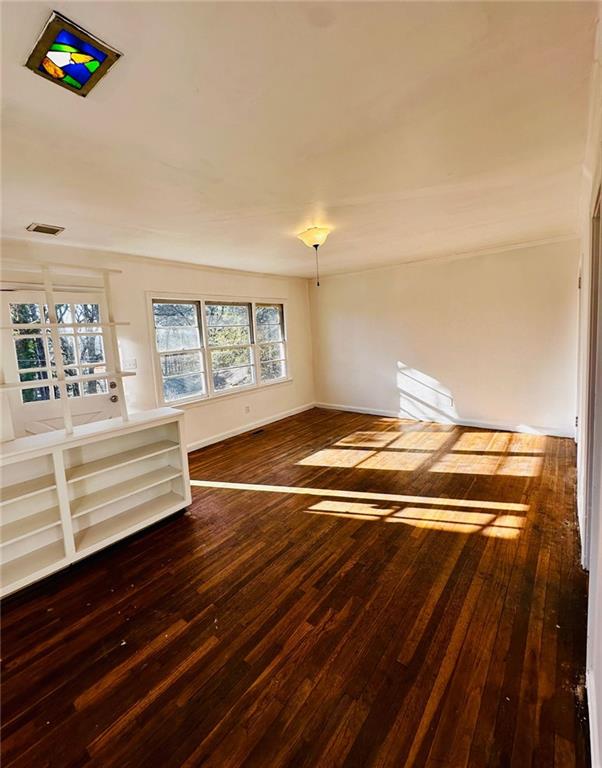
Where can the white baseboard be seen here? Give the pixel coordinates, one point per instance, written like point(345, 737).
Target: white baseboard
point(247, 427)
point(594, 722)
point(552, 431)
point(370, 411)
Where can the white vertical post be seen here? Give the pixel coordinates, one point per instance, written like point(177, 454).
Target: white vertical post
point(58, 352)
point(62, 493)
point(184, 462)
point(114, 349)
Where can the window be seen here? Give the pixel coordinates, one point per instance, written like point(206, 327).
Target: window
point(206, 348)
point(229, 339)
point(81, 349)
point(270, 340)
point(179, 344)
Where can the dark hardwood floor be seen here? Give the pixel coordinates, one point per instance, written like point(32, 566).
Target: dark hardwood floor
point(345, 590)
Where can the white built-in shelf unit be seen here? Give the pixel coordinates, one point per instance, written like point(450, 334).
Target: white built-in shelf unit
point(66, 493)
point(64, 497)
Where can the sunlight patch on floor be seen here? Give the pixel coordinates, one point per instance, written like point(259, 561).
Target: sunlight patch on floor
point(475, 464)
point(504, 506)
point(468, 522)
point(367, 439)
point(500, 442)
point(336, 458)
point(425, 441)
point(473, 453)
point(395, 461)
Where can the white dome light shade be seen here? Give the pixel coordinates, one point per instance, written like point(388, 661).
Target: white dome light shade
point(314, 236)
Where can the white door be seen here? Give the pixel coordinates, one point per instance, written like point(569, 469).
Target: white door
point(28, 355)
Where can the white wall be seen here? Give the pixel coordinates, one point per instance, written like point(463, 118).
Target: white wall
point(587, 437)
point(220, 416)
point(490, 339)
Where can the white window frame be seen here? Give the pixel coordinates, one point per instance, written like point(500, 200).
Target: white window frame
point(211, 393)
point(258, 344)
point(200, 349)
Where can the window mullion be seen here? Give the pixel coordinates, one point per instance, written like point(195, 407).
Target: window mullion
point(255, 345)
point(208, 362)
point(203, 342)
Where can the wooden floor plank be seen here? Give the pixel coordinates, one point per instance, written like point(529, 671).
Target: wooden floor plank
point(345, 590)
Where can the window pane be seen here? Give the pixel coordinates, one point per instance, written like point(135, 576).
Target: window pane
point(229, 336)
point(171, 339)
point(181, 387)
point(87, 313)
point(35, 394)
point(273, 370)
point(91, 349)
point(177, 328)
point(73, 390)
point(230, 358)
point(88, 370)
point(169, 315)
point(227, 314)
point(232, 377)
point(271, 313)
point(94, 387)
point(271, 352)
point(64, 313)
point(67, 349)
point(269, 333)
point(189, 362)
point(26, 313)
point(33, 376)
point(30, 353)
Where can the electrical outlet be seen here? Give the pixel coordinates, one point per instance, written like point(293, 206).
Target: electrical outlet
point(247, 409)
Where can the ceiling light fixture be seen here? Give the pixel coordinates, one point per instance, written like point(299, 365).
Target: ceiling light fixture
point(314, 237)
point(69, 56)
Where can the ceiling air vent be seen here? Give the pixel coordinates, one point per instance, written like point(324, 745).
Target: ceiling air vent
point(45, 229)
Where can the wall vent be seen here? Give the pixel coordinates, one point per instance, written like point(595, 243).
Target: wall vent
point(45, 229)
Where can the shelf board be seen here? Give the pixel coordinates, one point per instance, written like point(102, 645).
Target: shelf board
point(91, 468)
point(26, 526)
point(27, 488)
point(36, 326)
point(67, 379)
point(88, 503)
point(26, 566)
point(29, 447)
point(129, 521)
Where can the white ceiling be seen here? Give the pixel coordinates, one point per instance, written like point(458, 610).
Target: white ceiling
point(413, 129)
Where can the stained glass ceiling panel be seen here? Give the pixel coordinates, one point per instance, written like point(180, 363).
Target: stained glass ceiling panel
point(70, 56)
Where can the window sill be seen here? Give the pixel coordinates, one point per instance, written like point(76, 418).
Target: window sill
point(185, 404)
